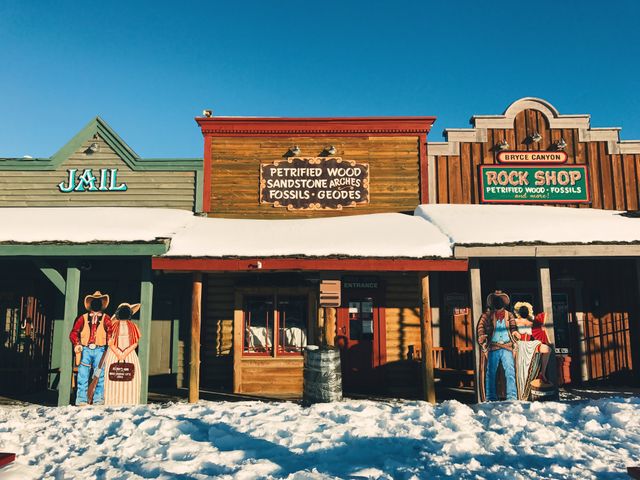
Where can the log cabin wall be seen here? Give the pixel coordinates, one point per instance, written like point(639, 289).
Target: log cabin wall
point(399, 370)
point(613, 165)
point(394, 149)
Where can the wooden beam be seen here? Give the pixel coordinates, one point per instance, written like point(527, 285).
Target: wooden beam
point(475, 288)
point(52, 274)
point(586, 250)
point(84, 249)
point(426, 336)
point(316, 264)
point(546, 300)
point(194, 355)
point(71, 294)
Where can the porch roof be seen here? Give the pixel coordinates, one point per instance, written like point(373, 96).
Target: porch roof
point(88, 230)
point(524, 230)
point(382, 235)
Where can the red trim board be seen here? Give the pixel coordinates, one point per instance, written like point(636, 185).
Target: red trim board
point(333, 264)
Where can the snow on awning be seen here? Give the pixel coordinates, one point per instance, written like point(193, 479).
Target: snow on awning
point(526, 224)
point(383, 235)
point(31, 225)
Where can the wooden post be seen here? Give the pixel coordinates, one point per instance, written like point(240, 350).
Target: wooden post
point(426, 336)
point(544, 286)
point(330, 325)
point(71, 294)
point(59, 337)
point(322, 334)
point(635, 351)
point(475, 287)
point(175, 347)
point(146, 308)
point(194, 354)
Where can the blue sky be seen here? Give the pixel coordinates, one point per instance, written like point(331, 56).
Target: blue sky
point(149, 67)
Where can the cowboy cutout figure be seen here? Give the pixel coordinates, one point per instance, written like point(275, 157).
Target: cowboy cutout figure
point(498, 335)
point(89, 338)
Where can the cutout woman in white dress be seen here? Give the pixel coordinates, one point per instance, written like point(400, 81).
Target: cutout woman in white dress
point(123, 340)
point(532, 355)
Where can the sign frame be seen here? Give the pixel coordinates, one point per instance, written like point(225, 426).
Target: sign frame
point(583, 167)
point(317, 205)
point(562, 153)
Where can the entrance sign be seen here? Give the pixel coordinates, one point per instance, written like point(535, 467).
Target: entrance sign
point(532, 157)
point(534, 184)
point(106, 181)
point(314, 183)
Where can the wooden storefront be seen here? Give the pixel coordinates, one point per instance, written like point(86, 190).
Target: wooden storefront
point(590, 293)
point(377, 327)
point(44, 282)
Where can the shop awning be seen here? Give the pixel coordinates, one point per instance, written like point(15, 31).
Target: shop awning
point(385, 241)
point(87, 231)
point(523, 230)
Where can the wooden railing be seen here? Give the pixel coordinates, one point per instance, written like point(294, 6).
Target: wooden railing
point(453, 360)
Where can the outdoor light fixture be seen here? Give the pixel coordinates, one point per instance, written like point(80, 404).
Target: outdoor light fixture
point(535, 137)
point(503, 145)
point(328, 151)
point(561, 144)
point(207, 113)
point(295, 151)
point(93, 148)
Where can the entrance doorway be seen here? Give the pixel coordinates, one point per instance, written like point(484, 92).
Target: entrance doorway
point(361, 337)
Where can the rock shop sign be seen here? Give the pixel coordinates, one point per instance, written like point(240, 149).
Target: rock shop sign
point(314, 183)
point(534, 184)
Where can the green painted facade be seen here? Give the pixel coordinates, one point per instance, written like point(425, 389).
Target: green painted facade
point(65, 268)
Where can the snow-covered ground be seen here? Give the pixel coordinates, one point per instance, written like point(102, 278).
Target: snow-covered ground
point(352, 439)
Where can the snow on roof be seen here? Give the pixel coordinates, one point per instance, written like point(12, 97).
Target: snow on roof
point(89, 224)
point(513, 224)
point(372, 235)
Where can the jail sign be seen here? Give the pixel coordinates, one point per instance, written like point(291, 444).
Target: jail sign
point(534, 184)
point(314, 183)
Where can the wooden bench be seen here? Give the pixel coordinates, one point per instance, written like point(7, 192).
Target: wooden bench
point(454, 363)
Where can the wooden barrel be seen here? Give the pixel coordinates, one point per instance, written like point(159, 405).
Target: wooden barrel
point(322, 375)
point(541, 391)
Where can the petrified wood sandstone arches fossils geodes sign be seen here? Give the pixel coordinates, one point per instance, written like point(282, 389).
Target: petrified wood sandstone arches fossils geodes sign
point(314, 183)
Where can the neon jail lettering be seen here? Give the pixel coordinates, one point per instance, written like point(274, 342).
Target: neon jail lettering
point(518, 178)
point(107, 181)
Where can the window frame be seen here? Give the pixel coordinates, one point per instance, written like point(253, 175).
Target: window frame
point(244, 294)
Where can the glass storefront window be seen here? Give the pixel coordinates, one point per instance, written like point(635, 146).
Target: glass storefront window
point(258, 325)
point(292, 324)
point(266, 314)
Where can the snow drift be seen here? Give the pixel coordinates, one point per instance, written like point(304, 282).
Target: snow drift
point(351, 439)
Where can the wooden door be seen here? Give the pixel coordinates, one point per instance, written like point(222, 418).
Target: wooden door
point(359, 338)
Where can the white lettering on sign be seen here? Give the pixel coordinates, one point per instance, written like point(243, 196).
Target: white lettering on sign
point(106, 181)
point(314, 183)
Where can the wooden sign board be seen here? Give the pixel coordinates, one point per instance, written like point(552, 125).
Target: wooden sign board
point(314, 183)
point(534, 184)
point(330, 293)
point(540, 157)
